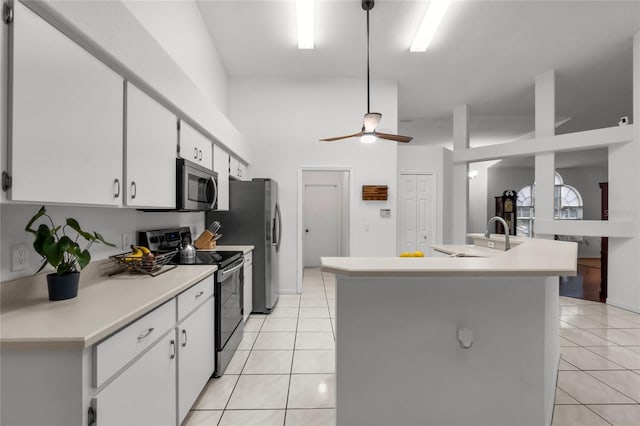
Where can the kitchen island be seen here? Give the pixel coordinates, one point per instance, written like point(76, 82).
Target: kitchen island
point(450, 340)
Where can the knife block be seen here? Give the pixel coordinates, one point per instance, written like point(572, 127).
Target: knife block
point(205, 240)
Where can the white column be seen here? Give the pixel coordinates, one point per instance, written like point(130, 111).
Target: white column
point(624, 191)
point(460, 176)
point(545, 100)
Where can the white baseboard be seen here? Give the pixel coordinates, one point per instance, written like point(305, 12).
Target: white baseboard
point(623, 305)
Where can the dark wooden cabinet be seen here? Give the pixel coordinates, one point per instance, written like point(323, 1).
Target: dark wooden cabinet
point(604, 241)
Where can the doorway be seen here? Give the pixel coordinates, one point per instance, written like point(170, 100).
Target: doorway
point(323, 216)
point(416, 228)
point(321, 222)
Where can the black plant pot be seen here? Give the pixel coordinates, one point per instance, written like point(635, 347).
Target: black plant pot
point(63, 287)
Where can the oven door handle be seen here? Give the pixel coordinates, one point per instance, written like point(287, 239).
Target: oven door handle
point(227, 272)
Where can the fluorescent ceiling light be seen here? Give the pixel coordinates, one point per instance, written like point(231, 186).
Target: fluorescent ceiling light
point(429, 25)
point(305, 21)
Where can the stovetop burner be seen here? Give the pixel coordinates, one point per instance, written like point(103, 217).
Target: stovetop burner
point(208, 257)
point(172, 239)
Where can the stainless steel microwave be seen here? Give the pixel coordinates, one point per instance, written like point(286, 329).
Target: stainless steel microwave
point(196, 187)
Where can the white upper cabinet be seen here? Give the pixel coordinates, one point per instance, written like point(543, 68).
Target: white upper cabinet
point(237, 169)
point(66, 112)
point(151, 142)
point(195, 147)
point(221, 166)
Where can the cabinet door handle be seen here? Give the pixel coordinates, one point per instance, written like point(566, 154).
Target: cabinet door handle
point(134, 190)
point(145, 334)
point(116, 183)
point(199, 294)
point(184, 338)
point(195, 153)
point(172, 346)
point(200, 156)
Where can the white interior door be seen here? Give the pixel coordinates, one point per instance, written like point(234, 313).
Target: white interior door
point(417, 200)
point(408, 219)
point(322, 223)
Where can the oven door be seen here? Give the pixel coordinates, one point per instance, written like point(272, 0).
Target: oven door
point(196, 187)
point(228, 325)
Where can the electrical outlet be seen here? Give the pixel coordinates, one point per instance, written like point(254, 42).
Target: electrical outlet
point(18, 257)
point(491, 244)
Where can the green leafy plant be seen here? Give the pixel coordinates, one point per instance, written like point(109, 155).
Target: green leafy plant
point(57, 248)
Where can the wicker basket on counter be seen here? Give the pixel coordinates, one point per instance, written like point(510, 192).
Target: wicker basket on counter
point(150, 265)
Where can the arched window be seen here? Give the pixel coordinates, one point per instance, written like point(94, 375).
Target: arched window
point(525, 210)
point(567, 205)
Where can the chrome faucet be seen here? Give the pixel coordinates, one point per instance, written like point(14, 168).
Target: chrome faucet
point(487, 233)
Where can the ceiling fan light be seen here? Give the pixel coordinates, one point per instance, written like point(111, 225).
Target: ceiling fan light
point(368, 138)
point(429, 26)
point(305, 23)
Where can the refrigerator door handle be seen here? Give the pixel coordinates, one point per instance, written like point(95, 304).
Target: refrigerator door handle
point(279, 227)
point(274, 239)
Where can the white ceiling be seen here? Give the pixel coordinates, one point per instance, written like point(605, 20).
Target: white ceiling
point(486, 54)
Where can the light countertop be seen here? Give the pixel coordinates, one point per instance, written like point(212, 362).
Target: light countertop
point(28, 320)
point(531, 257)
point(465, 250)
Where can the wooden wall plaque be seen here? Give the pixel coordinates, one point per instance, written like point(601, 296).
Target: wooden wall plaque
point(375, 192)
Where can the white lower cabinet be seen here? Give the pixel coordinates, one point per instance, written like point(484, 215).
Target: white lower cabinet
point(145, 393)
point(196, 355)
point(148, 373)
point(247, 302)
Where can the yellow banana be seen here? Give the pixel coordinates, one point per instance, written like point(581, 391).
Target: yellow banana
point(143, 249)
point(136, 254)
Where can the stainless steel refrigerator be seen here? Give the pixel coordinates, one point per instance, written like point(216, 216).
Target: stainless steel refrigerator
point(254, 219)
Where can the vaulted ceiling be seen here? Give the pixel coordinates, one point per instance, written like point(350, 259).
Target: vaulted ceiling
point(486, 54)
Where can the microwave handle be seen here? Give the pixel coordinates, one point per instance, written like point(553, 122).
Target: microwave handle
point(215, 193)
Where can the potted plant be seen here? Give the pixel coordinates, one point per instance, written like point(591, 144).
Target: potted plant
point(62, 252)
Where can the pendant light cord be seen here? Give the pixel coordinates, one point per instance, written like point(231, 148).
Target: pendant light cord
point(368, 84)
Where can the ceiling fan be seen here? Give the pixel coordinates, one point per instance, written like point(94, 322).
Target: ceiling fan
point(371, 120)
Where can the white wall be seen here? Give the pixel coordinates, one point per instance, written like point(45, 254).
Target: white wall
point(478, 198)
point(178, 27)
point(110, 222)
point(284, 119)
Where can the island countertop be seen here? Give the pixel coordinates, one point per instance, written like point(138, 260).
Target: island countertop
point(530, 257)
point(28, 320)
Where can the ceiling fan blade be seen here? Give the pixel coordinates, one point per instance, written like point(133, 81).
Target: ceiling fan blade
point(371, 120)
point(337, 138)
point(397, 138)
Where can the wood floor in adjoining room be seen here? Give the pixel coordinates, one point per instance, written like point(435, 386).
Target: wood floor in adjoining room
point(585, 285)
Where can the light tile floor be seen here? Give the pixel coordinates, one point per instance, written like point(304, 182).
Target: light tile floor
point(284, 370)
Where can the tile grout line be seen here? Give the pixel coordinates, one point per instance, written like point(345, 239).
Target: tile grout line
point(587, 372)
point(241, 370)
point(293, 354)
